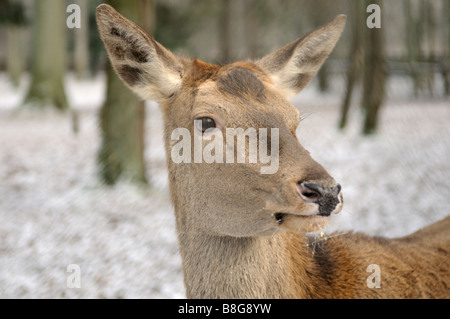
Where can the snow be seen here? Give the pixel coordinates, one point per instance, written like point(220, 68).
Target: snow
point(55, 213)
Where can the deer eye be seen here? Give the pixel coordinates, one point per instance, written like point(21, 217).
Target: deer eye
point(204, 123)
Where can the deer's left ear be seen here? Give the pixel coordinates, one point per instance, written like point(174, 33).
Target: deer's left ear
point(148, 68)
point(293, 66)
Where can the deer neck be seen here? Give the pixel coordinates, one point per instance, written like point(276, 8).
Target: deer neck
point(249, 267)
point(214, 266)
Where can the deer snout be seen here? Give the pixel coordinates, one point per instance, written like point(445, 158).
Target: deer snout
point(329, 199)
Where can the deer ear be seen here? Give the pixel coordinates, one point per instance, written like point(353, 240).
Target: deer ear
point(293, 66)
point(148, 68)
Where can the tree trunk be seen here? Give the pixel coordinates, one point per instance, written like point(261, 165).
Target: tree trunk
point(322, 76)
point(430, 37)
point(15, 57)
point(320, 12)
point(251, 27)
point(48, 55)
point(122, 117)
point(224, 32)
point(81, 42)
point(122, 124)
point(374, 77)
point(147, 15)
point(355, 59)
point(445, 64)
point(414, 37)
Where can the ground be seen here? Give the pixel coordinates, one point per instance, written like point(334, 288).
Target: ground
point(55, 213)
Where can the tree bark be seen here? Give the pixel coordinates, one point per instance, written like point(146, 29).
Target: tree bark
point(445, 64)
point(374, 77)
point(251, 27)
point(224, 32)
point(122, 124)
point(15, 57)
point(355, 60)
point(414, 38)
point(122, 117)
point(430, 37)
point(48, 56)
point(81, 42)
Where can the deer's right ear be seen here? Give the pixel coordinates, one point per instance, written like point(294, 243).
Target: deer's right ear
point(148, 68)
point(293, 66)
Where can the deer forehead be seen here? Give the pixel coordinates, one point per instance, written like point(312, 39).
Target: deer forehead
point(243, 93)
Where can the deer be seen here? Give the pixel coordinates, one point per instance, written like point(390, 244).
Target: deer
point(244, 234)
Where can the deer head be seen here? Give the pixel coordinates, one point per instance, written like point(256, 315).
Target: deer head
point(232, 198)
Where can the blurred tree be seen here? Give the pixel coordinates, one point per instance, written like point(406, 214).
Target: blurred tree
point(252, 10)
point(430, 35)
point(122, 117)
point(225, 20)
point(366, 61)
point(414, 38)
point(374, 74)
point(355, 59)
point(174, 24)
point(319, 13)
point(81, 42)
point(48, 55)
point(97, 56)
point(445, 61)
point(12, 14)
point(147, 15)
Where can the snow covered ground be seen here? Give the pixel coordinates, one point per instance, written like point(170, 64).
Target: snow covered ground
point(55, 213)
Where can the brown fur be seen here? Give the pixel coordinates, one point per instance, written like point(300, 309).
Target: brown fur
point(242, 233)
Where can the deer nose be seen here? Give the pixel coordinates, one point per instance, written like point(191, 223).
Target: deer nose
point(313, 192)
point(326, 197)
point(309, 192)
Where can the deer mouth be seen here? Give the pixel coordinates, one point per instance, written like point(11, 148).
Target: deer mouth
point(307, 216)
point(322, 213)
point(280, 218)
point(301, 223)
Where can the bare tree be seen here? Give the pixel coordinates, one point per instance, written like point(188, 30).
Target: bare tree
point(224, 31)
point(122, 117)
point(14, 18)
point(366, 61)
point(430, 35)
point(251, 27)
point(445, 62)
point(81, 42)
point(48, 55)
point(355, 59)
point(414, 38)
point(374, 76)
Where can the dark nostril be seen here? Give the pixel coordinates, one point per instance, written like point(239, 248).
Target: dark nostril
point(309, 191)
point(339, 188)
